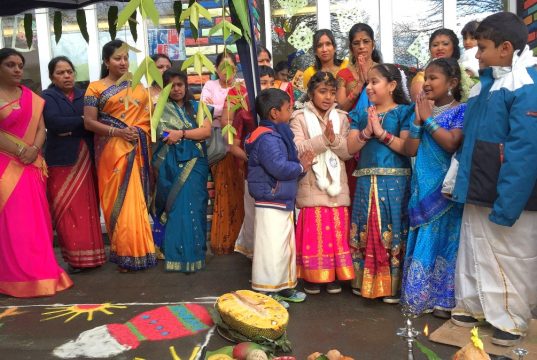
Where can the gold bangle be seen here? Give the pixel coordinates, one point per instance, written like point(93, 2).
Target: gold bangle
point(20, 149)
point(35, 147)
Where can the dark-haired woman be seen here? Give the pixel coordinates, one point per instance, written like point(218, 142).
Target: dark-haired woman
point(264, 57)
point(435, 222)
point(119, 117)
point(181, 169)
point(163, 63)
point(325, 51)
point(28, 266)
point(443, 43)
point(228, 211)
point(72, 182)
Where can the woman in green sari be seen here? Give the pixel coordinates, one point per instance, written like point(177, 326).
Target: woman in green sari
point(181, 171)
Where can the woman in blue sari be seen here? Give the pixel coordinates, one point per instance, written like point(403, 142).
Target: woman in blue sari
point(181, 171)
point(435, 221)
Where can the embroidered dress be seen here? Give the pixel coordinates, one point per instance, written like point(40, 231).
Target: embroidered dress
point(435, 222)
point(379, 222)
point(181, 193)
point(123, 173)
point(28, 266)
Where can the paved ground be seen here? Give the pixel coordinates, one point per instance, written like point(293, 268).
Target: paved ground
point(359, 328)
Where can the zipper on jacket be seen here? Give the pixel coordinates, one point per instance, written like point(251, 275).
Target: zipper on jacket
point(501, 146)
point(275, 188)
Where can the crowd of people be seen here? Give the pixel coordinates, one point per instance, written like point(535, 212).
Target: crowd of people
point(416, 191)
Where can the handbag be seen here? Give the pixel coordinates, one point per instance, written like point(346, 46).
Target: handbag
point(216, 146)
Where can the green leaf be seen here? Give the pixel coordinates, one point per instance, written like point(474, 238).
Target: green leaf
point(194, 17)
point(138, 74)
point(112, 21)
point(154, 73)
point(431, 355)
point(57, 26)
point(177, 10)
point(230, 131)
point(242, 13)
point(206, 111)
point(187, 63)
point(127, 11)
point(151, 11)
point(126, 77)
point(199, 115)
point(132, 26)
point(28, 30)
point(208, 64)
point(198, 63)
point(82, 25)
point(204, 12)
point(230, 28)
point(159, 109)
point(216, 28)
point(228, 68)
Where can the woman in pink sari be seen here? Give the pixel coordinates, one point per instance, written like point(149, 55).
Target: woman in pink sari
point(29, 267)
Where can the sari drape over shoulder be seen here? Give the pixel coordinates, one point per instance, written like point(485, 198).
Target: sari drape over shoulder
point(435, 223)
point(123, 173)
point(181, 194)
point(28, 266)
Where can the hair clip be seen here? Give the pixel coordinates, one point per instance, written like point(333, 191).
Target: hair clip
point(326, 78)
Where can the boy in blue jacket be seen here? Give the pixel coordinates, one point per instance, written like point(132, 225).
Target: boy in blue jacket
point(273, 171)
point(497, 258)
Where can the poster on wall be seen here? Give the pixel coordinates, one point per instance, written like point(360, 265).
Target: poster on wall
point(167, 41)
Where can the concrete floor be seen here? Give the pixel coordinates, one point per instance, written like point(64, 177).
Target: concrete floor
point(362, 329)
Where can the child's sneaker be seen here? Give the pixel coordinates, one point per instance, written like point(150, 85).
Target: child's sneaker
point(312, 288)
point(290, 295)
point(333, 288)
point(503, 338)
point(282, 302)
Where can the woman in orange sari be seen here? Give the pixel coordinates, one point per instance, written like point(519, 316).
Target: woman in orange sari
point(119, 117)
point(28, 266)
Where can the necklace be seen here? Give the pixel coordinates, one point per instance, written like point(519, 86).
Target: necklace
point(437, 110)
point(15, 104)
point(384, 114)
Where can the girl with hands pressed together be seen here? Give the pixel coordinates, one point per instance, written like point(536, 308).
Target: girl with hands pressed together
point(435, 221)
point(379, 225)
point(323, 194)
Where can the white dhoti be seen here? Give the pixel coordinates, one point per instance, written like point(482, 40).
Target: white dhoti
point(274, 263)
point(495, 270)
point(245, 240)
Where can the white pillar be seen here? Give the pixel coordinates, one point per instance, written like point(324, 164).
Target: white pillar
point(1, 34)
point(511, 6)
point(386, 30)
point(267, 25)
point(94, 48)
point(141, 42)
point(323, 14)
point(450, 14)
point(44, 48)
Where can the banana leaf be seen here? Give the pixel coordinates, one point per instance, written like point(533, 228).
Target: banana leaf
point(57, 26)
point(112, 21)
point(28, 29)
point(82, 25)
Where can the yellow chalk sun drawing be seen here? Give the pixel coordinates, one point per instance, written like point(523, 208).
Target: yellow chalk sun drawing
point(76, 310)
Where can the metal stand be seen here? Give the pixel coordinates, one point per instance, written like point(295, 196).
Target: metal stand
point(409, 334)
point(521, 353)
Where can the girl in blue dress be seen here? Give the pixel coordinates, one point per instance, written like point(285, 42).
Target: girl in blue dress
point(379, 223)
point(435, 221)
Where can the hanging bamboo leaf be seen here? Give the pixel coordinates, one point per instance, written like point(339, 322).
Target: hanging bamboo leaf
point(204, 12)
point(132, 26)
point(206, 111)
point(187, 63)
point(28, 30)
point(125, 77)
point(126, 13)
point(57, 26)
point(159, 109)
point(199, 115)
point(177, 10)
point(154, 73)
point(148, 7)
point(216, 28)
point(208, 64)
point(198, 63)
point(112, 21)
point(240, 8)
point(140, 71)
point(82, 25)
point(230, 131)
point(194, 17)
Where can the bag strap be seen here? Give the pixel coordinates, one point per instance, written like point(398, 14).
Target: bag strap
point(256, 134)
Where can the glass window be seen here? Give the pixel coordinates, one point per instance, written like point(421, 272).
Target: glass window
point(13, 32)
point(71, 44)
point(475, 10)
point(293, 24)
point(345, 13)
point(413, 18)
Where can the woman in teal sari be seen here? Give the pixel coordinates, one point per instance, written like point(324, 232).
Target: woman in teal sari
point(181, 171)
